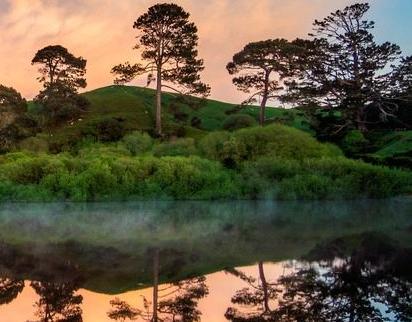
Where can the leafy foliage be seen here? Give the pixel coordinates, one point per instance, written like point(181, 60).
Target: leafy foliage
point(343, 68)
point(169, 46)
point(62, 74)
point(14, 122)
point(260, 67)
point(238, 121)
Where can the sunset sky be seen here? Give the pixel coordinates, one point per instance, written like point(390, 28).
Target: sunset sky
point(101, 31)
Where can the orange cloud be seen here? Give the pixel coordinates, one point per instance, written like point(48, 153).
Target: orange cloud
point(101, 31)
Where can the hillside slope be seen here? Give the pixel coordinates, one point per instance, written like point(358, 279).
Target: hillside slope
point(134, 108)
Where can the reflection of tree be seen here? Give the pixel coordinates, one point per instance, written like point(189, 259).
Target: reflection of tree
point(122, 311)
point(10, 289)
point(364, 286)
point(174, 302)
point(255, 299)
point(58, 302)
point(177, 302)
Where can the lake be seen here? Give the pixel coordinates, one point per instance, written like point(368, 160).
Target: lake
point(207, 261)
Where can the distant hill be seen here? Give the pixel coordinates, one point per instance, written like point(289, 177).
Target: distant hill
point(134, 106)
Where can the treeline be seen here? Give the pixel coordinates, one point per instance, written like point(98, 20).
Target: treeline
point(340, 76)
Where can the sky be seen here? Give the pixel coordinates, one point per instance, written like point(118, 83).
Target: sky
point(101, 31)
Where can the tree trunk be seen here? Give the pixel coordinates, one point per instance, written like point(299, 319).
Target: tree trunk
point(155, 283)
point(262, 111)
point(159, 102)
point(264, 99)
point(264, 287)
point(360, 124)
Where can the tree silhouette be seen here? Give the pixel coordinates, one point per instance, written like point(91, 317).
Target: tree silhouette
point(122, 311)
point(169, 46)
point(343, 69)
point(260, 68)
point(58, 302)
point(368, 285)
point(62, 74)
point(59, 66)
point(174, 302)
point(10, 289)
point(255, 299)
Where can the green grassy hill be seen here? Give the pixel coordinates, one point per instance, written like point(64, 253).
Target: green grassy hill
point(393, 148)
point(134, 108)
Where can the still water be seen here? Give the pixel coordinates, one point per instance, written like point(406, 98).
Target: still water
point(206, 261)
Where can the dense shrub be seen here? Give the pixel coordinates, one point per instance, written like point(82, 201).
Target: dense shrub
point(238, 121)
point(307, 186)
point(196, 122)
point(15, 124)
point(110, 129)
point(275, 140)
point(63, 177)
point(353, 142)
point(182, 147)
point(137, 142)
point(255, 163)
point(58, 103)
point(35, 144)
point(337, 178)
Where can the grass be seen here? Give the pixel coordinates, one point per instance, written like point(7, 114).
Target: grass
point(395, 144)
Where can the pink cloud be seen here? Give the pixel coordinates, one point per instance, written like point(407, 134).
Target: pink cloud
point(101, 31)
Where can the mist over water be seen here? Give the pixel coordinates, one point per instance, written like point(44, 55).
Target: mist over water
point(69, 256)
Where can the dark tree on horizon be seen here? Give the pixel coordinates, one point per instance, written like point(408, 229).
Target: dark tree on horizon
point(62, 75)
point(168, 43)
point(342, 68)
point(259, 69)
point(59, 66)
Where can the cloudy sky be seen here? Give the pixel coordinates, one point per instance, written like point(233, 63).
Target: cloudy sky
point(101, 31)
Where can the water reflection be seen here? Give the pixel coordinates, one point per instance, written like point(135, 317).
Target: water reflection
point(57, 302)
point(176, 301)
point(9, 289)
point(180, 262)
point(372, 283)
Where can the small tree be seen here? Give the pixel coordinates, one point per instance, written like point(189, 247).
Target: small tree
point(59, 66)
point(62, 74)
point(14, 123)
point(260, 68)
point(169, 46)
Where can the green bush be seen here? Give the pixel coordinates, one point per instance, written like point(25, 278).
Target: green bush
point(191, 178)
point(212, 144)
point(137, 142)
point(177, 147)
point(238, 121)
point(275, 140)
point(263, 167)
point(354, 142)
point(337, 178)
point(35, 144)
point(306, 186)
point(110, 130)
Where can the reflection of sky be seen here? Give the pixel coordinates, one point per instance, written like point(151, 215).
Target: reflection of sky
point(95, 306)
point(100, 30)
